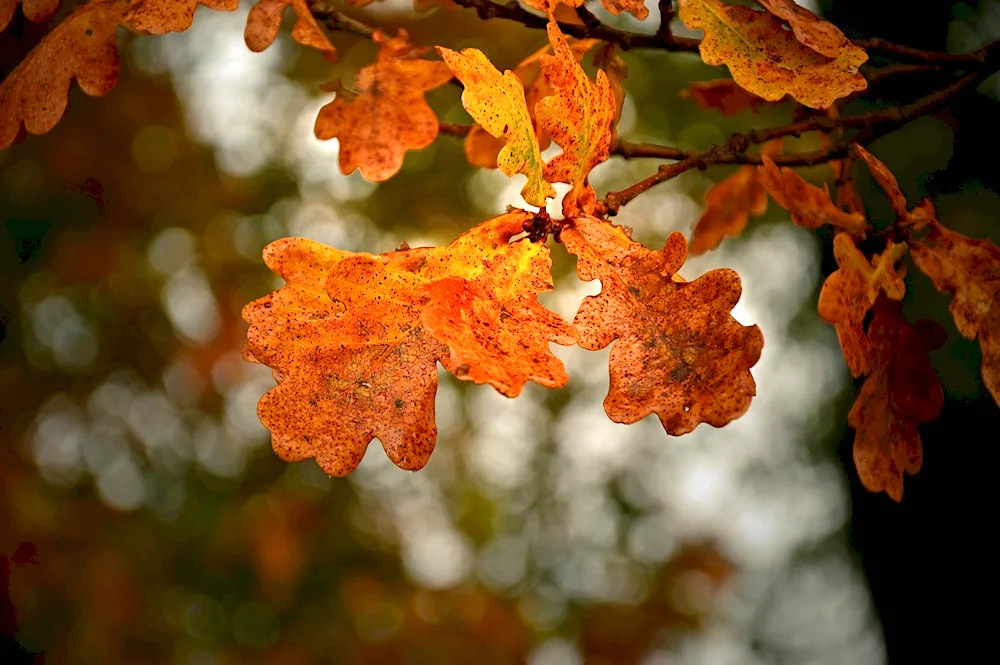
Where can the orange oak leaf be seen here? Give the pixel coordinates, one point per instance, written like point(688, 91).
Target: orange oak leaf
point(354, 339)
point(578, 117)
point(851, 290)
point(911, 220)
point(157, 17)
point(81, 47)
point(969, 270)
point(723, 95)
point(489, 314)
point(388, 115)
point(607, 59)
point(496, 101)
point(481, 147)
point(902, 392)
point(728, 206)
point(680, 354)
point(769, 61)
point(38, 11)
point(819, 35)
point(809, 206)
point(264, 21)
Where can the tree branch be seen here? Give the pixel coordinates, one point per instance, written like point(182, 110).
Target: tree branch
point(333, 21)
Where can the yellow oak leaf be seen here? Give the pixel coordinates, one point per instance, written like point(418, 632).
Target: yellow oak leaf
point(680, 354)
point(578, 116)
point(768, 60)
point(810, 206)
point(496, 101)
point(851, 290)
point(969, 270)
point(388, 114)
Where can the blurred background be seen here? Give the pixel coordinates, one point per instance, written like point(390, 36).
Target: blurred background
point(145, 519)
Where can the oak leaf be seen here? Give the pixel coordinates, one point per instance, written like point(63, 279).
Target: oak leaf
point(578, 117)
point(969, 270)
point(37, 11)
point(635, 7)
point(902, 392)
point(723, 95)
point(264, 22)
point(481, 147)
point(354, 339)
point(81, 47)
point(728, 206)
point(680, 354)
point(912, 220)
point(767, 60)
point(157, 17)
point(812, 31)
point(496, 101)
point(851, 290)
point(809, 206)
point(388, 114)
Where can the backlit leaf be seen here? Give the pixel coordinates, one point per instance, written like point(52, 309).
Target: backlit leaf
point(679, 352)
point(851, 290)
point(157, 17)
point(902, 392)
point(387, 115)
point(970, 271)
point(635, 7)
point(38, 11)
point(264, 21)
point(728, 206)
point(496, 101)
point(767, 60)
point(354, 339)
point(809, 206)
point(723, 95)
point(578, 116)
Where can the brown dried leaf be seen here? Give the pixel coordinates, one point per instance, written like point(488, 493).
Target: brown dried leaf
point(902, 391)
point(264, 22)
point(851, 290)
point(354, 339)
point(389, 114)
point(37, 11)
point(680, 354)
point(970, 271)
point(909, 220)
point(157, 17)
point(809, 206)
point(578, 116)
point(81, 47)
point(819, 35)
point(767, 60)
point(724, 95)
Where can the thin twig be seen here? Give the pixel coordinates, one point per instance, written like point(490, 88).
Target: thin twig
point(454, 129)
point(333, 21)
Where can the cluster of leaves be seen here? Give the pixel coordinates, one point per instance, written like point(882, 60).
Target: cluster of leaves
point(354, 338)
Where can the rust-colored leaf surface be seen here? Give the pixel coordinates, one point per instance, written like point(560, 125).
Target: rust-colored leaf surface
point(496, 101)
point(264, 21)
point(768, 60)
point(81, 47)
point(38, 11)
point(679, 352)
point(723, 95)
point(157, 17)
point(809, 206)
point(912, 220)
point(389, 114)
point(819, 35)
point(902, 392)
point(851, 290)
point(969, 270)
point(354, 339)
point(578, 116)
